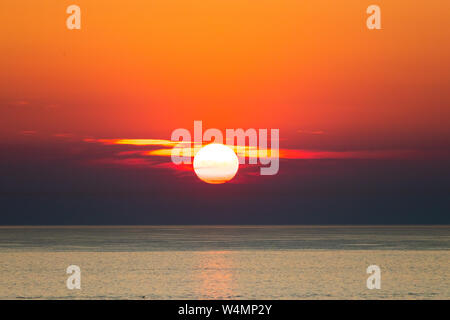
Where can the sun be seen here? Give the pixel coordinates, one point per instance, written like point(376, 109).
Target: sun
point(216, 163)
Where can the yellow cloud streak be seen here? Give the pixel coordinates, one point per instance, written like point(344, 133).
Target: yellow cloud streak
point(185, 148)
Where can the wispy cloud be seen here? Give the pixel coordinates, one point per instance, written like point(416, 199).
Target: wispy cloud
point(164, 148)
point(28, 132)
point(134, 142)
point(313, 132)
point(359, 154)
point(20, 103)
point(64, 135)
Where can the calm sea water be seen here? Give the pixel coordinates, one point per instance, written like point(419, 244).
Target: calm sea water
point(225, 262)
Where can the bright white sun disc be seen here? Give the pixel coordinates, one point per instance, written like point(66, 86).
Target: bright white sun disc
point(216, 163)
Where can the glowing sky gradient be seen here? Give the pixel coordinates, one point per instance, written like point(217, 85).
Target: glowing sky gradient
point(359, 111)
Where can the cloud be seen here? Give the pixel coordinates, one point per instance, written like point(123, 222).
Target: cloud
point(313, 132)
point(138, 151)
point(64, 135)
point(28, 132)
point(135, 142)
point(358, 154)
point(20, 103)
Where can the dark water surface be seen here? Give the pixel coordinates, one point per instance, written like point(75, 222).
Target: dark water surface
point(201, 238)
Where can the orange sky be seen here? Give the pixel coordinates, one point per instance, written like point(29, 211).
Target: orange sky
point(140, 69)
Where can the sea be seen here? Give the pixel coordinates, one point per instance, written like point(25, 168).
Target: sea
point(225, 262)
